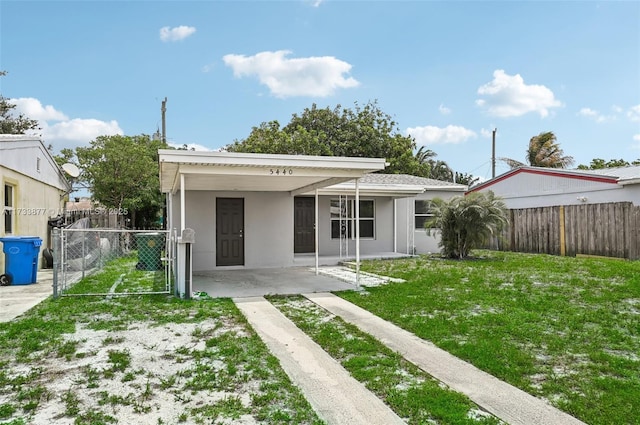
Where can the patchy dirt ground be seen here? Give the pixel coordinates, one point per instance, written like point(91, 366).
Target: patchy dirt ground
point(213, 371)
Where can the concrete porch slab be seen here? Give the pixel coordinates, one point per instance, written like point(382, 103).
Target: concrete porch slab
point(241, 283)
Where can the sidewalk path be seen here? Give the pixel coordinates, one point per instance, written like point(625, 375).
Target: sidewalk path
point(503, 400)
point(335, 396)
point(15, 300)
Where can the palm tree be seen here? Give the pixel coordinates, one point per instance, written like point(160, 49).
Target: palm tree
point(544, 151)
point(425, 156)
point(466, 222)
point(438, 170)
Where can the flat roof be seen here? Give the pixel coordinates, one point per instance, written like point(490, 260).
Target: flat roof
point(232, 171)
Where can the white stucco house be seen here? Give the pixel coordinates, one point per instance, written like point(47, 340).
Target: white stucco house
point(32, 188)
point(257, 210)
point(530, 187)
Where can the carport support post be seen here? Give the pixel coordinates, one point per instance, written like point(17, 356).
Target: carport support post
point(182, 204)
point(357, 234)
point(315, 229)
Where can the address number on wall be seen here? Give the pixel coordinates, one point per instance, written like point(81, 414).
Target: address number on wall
point(280, 171)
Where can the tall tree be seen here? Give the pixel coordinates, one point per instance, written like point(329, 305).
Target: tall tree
point(359, 132)
point(466, 222)
point(11, 124)
point(544, 151)
point(122, 172)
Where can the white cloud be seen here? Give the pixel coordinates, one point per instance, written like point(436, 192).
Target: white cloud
point(444, 110)
point(312, 76)
point(176, 33)
point(598, 117)
point(80, 130)
point(32, 108)
point(508, 96)
point(593, 114)
point(56, 127)
point(430, 135)
point(636, 137)
point(634, 113)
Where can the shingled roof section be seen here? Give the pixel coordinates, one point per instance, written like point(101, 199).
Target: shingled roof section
point(375, 178)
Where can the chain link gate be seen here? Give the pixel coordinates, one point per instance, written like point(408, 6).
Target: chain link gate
point(111, 262)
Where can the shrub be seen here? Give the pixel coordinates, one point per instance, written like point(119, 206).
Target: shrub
point(466, 222)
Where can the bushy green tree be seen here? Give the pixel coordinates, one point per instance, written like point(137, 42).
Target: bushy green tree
point(364, 131)
point(466, 222)
point(599, 163)
point(122, 172)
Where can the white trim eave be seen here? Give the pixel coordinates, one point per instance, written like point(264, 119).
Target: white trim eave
point(398, 190)
point(629, 181)
point(270, 160)
point(447, 188)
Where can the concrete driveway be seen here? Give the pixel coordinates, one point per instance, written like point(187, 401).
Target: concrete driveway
point(260, 282)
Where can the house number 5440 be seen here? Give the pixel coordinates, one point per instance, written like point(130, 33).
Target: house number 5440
point(280, 172)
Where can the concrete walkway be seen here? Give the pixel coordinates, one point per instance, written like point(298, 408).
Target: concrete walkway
point(503, 400)
point(336, 397)
point(15, 300)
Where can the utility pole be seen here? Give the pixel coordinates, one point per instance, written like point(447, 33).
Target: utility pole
point(164, 123)
point(493, 154)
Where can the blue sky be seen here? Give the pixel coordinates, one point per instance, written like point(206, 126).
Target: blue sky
point(447, 72)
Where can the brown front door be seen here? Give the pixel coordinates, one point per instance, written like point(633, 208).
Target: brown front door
point(230, 232)
point(304, 218)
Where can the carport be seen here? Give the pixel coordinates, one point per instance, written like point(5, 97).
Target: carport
point(239, 203)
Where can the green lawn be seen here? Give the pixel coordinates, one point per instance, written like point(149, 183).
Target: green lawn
point(565, 329)
point(414, 395)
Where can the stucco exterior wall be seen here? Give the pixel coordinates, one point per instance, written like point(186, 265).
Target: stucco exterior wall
point(268, 227)
point(35, 202)
point(269, 232)
point(29, 158)
point(525, 190)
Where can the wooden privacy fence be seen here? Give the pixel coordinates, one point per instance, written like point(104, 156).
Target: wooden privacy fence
point(609, 230)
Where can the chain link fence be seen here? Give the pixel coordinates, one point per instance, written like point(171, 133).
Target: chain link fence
point(89, 261)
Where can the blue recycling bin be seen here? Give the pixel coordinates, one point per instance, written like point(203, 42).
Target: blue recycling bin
point(21, 258)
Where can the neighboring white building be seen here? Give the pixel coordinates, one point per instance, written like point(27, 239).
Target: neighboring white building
point(32, 188)
point(530, 187)
point(257, 210)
